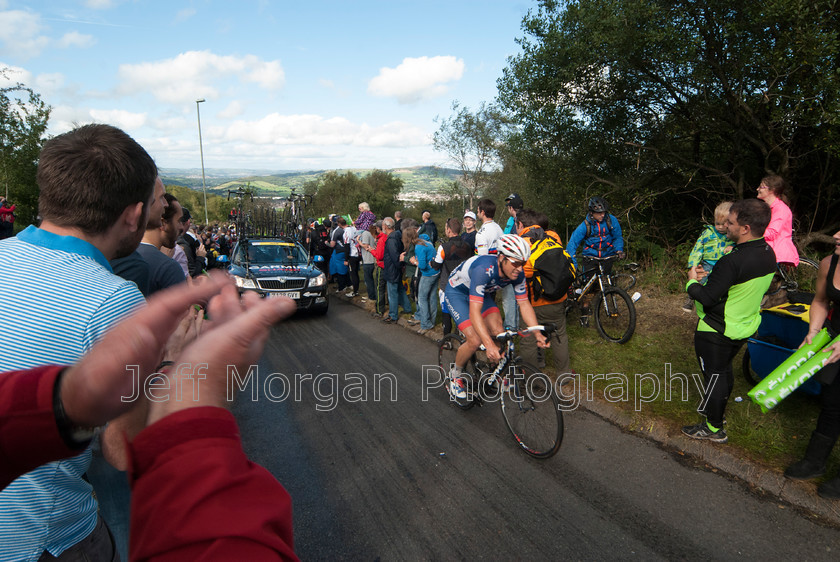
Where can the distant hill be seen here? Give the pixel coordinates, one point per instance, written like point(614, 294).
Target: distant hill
point(417, 180)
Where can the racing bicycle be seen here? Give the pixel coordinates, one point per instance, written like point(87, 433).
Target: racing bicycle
point(527, 397)
point(614, 309)
point(293, 220)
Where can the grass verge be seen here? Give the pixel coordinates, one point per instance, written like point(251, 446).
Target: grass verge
point(656, 378)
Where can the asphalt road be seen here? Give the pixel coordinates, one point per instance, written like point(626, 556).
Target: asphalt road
point(403, 478)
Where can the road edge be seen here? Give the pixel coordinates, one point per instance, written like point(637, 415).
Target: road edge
point(769, 481)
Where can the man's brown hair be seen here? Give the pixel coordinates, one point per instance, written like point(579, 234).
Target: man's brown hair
point(88, 176)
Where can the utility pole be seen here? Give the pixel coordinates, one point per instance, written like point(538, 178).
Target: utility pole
point(201, 148)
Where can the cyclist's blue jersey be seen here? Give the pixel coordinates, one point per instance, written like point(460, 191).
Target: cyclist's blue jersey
point(477, 280)
point(479, 277)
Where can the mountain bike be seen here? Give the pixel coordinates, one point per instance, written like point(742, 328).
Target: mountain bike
point(615, 311)
point(792, 283)
point(528, 399)
point(626, 279)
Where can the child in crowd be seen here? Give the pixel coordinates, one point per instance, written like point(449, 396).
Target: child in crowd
point(710, 246)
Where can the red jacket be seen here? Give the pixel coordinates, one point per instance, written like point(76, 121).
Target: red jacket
point(379, 251)
point(195, 493)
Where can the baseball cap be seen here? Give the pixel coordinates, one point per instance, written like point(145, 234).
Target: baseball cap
point(469, 214)
point(515, 201)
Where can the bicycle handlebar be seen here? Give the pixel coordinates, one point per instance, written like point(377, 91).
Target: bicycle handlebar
point(508, 334)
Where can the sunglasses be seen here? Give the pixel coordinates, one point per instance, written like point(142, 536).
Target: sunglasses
point(516, 264)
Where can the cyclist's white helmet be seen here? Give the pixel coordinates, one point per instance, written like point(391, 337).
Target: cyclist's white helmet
point(515, 247)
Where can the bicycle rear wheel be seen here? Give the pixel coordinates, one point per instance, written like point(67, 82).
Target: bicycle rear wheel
point(447, 350)
point(532, 412)
point(615, 315)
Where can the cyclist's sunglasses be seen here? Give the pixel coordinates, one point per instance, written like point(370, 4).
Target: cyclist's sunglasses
point(516, 264)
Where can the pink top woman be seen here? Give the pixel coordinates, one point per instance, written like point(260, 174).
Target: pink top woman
point(779, 233)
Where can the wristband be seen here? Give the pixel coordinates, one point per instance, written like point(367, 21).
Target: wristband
point(74, 436)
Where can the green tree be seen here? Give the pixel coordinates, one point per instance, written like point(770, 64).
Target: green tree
point(341, 193)
point(673, 106)
point(23, 125)
point(472, 141)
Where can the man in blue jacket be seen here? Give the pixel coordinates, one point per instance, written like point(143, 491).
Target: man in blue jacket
point(600, 234)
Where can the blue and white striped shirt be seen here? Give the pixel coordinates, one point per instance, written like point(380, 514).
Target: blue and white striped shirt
point(60, 298)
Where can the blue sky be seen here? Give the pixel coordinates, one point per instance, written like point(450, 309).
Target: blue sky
point(291, 85)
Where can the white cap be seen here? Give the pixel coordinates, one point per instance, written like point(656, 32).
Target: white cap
point(469, 214)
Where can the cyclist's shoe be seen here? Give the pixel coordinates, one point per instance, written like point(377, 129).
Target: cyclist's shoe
point(702, 431)
point(458, 388)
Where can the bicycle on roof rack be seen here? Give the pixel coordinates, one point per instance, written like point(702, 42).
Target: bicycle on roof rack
point(293, 220)
point(242, 219)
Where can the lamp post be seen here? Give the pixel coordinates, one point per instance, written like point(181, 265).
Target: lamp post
point(201, 149)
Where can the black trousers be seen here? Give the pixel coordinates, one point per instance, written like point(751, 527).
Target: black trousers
point(715, 353)
point(828, 423)
point(354, 263)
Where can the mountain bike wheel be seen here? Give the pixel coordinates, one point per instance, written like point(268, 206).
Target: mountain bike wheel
point(624, 281)
point(447, 349)
point(532, 412)
point(615, 315)
point(804, 277)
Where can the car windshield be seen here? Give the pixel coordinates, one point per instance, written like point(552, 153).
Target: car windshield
point(272, 251)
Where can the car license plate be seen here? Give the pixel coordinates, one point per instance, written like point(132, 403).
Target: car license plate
point(295, 295)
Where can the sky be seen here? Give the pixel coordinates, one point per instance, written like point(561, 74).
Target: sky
point(288, 85)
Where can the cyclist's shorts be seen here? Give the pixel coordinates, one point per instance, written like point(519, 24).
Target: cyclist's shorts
point(459, 307)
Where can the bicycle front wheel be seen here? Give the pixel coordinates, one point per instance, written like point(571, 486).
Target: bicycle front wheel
point(532, 412)
point(624, 281)
point(447, 350)
point(615, 315)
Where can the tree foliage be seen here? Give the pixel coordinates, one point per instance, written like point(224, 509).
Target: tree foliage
point(670, 107)
point(341, 193)
point(218, 207)
point(23, 125)
point(472, 141)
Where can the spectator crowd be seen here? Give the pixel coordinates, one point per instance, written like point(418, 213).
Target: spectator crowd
point(111, 239)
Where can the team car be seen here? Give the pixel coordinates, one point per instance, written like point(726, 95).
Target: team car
point(275, 267)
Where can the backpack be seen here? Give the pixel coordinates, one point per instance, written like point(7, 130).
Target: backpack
point(607, 219)
point(554, 270)
point(321, 238)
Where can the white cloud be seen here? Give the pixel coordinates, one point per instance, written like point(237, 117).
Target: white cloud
point(276, 129)
point(234, 109)
point(174, 124)
point(119, 118)
point(193, 75)
point(417, 79)
point(20, 34)
point(327, 83)
point(14, 75)
point(49, 83)
point(184, 15)
point(100, 4)
point(76, 39)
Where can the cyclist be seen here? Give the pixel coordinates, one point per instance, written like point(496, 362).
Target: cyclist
point(599, 232)
point(469, 297)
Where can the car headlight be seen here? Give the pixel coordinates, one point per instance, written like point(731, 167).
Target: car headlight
point(318, 281)
point(244, 282)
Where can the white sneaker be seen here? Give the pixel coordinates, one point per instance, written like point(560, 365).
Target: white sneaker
point(457, 388)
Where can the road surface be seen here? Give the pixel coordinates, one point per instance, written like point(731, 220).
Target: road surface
point(400, 477)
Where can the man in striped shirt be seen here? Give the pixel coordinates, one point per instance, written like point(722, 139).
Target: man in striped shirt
point(96, 192)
